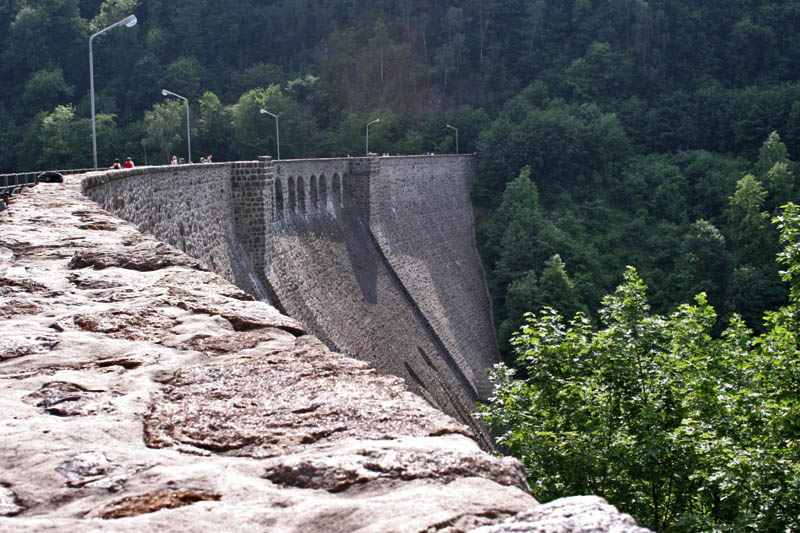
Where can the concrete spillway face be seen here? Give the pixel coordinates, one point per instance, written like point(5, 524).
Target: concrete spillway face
point(328, 269)
point(421, 218)
point(326, 272)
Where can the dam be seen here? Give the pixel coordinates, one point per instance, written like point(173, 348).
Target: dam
point(375, 255)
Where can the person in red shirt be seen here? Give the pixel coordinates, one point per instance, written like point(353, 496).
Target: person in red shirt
point(128, 163)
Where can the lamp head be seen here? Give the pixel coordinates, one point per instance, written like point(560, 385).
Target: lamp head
point(130, 21)
point(263, 111)
point(164, 92)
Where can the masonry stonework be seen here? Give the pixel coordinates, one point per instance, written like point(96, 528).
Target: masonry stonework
point(376, 255)
point(421, 217)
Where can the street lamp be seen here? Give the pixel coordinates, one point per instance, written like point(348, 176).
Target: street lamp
point(277, 130)
point(456, 130)
point(128, 21)
point(373, 122)
point(165, 92)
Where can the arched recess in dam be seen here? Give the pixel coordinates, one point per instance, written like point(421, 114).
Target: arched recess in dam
point(279, 201)
point(313, 194)
point(292, 188)
point(385, 271)
point(323, 192)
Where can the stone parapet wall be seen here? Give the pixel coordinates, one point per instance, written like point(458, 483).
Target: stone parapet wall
point(186, 206)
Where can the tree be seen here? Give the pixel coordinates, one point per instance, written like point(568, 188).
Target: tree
point(214, 126)
point(110, 12)
point(564, 145)
point(164, 124)
point(449, 56)
point(557, 290)
point(600, 73)
point(771, 152)
point(485, 11)
point(469, 121)
point(704, 264)
point(183, 77)
point(46, 87)
point(752, 290)
point(57, 137)
point(257, 75)
point(534, 14)
point(380, 41)
point(444, 61)
point(30, 46)
point(7, 136)
point(751, 46)
point(519, 208)
point(254, 133)
point(773, 169)
point(522, 296)
point(411, 143)
point(748, 224)
point(780, 185)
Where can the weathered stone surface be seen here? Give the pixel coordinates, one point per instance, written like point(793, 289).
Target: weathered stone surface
point(93, 469)
point(9, 503)
point(358, 462)
point(60, 398)
point(578, 514)
point(242, 315)
point(16, 346)
point(164, 400)
point(142, 258)
point(151, 502)
point(286, 401)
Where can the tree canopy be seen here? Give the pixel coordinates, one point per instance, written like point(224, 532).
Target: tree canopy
point(686, 429)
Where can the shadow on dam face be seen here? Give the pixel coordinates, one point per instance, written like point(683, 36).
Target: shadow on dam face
point(363, 257)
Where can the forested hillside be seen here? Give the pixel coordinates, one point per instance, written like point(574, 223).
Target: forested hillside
point(611, 132)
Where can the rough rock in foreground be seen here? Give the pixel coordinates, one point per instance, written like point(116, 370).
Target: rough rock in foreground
point(141, 392)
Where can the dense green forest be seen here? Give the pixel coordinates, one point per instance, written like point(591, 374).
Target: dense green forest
point(685, 429)
point(638, 122)
point(662, 134)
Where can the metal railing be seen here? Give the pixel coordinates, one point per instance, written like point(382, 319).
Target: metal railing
point(13, 184)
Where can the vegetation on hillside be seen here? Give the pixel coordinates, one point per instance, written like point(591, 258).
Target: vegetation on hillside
point(683, 428)
point(638, 120)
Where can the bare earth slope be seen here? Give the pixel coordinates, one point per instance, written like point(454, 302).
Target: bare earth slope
point(141, 392)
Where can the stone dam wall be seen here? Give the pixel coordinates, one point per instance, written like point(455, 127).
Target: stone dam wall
point(375, 255)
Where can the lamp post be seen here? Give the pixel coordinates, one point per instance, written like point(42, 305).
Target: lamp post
point(456, 130)
point(277, 130)
point(128, 21)
point(368, 124)
point(165, 92)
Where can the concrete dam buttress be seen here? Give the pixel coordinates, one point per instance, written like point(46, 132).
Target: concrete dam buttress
point(375, 255)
